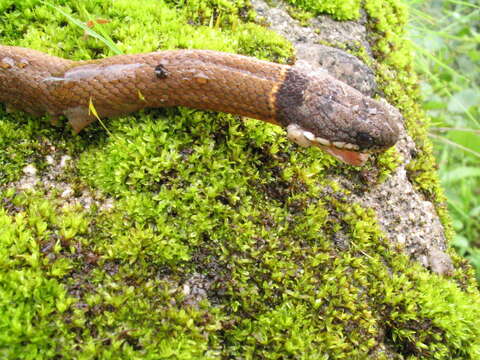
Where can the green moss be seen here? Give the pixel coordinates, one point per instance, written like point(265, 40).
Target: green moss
point(17, 150)
point(14, 152)
point(220, 240)
point(33, 302)
point(339, 9)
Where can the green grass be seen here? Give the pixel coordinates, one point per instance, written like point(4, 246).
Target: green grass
point(447, 38)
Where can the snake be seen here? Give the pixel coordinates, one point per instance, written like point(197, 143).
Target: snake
point(315, 108)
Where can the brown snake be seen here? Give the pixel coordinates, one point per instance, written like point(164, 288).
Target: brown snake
point(315, 108)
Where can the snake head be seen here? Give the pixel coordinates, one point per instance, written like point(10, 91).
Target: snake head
point(322, 111)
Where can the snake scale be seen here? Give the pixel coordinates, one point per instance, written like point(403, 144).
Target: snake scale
point(314, 107)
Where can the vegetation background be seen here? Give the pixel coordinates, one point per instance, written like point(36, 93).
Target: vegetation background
point(446, 36)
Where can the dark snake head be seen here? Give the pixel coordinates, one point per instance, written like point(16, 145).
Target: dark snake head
point(320, 110)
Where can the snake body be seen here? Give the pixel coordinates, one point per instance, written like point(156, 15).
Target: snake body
point(315, 108)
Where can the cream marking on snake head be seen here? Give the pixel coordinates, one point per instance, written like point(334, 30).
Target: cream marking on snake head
point(305, 138)
point(345, 152)
point(322, 141)
point(296, 134)
point(309, 136)
point(351, 147)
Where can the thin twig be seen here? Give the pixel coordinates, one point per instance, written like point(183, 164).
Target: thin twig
point(452, 143)
point(443, 129)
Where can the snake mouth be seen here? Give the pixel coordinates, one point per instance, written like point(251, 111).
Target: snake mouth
point(345, 152)
point(350, 157)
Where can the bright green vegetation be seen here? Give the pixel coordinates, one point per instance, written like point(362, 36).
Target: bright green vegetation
point(340, 10)
point(220, 241)
point(448, 57)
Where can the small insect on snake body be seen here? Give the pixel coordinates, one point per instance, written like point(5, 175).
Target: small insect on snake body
point(314, 107)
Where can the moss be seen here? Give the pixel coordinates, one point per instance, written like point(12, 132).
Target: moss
point(338, 9)
point(15, 151)
point(33, 301)
point(223, 239)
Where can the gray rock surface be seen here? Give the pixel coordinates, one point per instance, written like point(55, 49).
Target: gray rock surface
point(307, 42)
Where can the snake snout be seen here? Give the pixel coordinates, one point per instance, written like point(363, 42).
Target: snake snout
point(364, 140)
point(376, 125)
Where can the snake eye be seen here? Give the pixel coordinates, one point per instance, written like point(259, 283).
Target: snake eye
point(364, 140)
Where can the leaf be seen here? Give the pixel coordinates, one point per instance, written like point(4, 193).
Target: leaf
point(434, 105)
point(460, 173)
point(93, 111)
point(86, 29)
point(463, 100)
point(467, 139)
